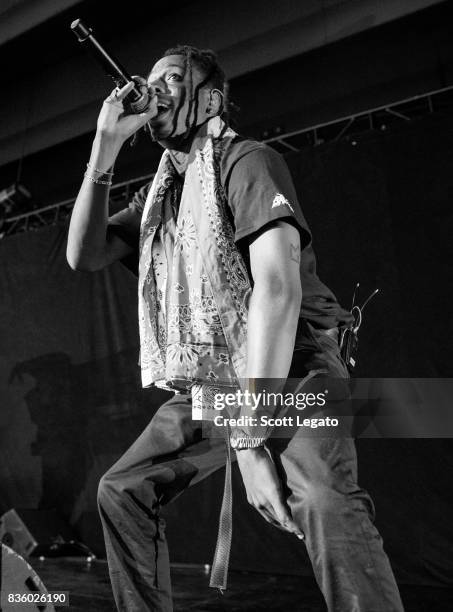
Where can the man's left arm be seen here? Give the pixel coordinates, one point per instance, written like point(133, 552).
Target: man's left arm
point(271, 330)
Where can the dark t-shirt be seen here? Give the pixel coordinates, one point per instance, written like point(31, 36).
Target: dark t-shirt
point(259, 189)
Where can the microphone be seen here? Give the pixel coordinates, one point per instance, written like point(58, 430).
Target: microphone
point(138, 99)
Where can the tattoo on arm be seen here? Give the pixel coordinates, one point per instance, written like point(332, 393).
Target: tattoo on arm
point(294, 252)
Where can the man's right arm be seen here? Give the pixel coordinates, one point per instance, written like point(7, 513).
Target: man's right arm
point(90, 246)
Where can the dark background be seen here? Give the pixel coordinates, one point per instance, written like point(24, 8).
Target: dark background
point(379, 205)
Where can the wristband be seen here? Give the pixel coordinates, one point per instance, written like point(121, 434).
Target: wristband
point(96, 180)
point(93, 169)
point(241, 441)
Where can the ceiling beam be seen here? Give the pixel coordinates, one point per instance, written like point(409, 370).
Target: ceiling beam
point(19, 16)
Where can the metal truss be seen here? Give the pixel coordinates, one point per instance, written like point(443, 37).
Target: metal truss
point(350, 127)
point(55, 213)
point(344, 128)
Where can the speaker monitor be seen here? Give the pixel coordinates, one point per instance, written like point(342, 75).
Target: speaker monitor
point(19, 578)
point(27, 531)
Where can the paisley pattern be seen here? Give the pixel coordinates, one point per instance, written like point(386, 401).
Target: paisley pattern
point(230, 257)
point(205, 315)
point(185, 234)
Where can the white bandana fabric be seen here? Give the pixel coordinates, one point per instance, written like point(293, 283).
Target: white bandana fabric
point(207, 291)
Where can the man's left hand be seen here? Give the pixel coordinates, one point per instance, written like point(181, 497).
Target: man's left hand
point(264, 488)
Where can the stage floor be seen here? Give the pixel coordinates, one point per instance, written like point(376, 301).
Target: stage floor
point(89, 590)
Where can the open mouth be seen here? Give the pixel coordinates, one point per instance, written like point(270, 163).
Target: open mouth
point(162, 109)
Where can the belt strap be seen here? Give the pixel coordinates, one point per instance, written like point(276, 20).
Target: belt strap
point(219, 571)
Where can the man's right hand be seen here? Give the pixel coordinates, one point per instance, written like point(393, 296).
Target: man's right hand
point(113, 125)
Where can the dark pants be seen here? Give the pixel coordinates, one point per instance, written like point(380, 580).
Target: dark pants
point(350, 566)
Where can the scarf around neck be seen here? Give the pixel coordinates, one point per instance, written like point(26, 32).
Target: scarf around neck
point(208, 288)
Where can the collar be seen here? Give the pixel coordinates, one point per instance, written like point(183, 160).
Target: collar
point(179, 160)
point(214, 127)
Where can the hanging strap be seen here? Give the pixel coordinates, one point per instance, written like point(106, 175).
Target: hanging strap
point(219, 571)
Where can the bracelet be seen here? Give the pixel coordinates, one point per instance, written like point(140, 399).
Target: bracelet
point(90, 167)
point(241, 441)
point(96, 180)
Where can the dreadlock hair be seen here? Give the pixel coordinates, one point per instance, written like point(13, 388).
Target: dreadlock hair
point(206, 61)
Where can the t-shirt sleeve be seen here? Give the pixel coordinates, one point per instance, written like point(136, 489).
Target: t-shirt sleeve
point(260, 190)
point(126, 223)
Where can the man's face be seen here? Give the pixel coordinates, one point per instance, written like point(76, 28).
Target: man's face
point(172, 86)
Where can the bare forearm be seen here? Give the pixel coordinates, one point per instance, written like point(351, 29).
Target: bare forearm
point(88, 227)
point(271, 332)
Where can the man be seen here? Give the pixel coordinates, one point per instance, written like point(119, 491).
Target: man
point(228, 292)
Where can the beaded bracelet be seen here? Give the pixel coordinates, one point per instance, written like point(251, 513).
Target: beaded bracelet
point(96, 180)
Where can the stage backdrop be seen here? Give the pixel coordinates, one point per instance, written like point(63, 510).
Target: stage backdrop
point(71, 402)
